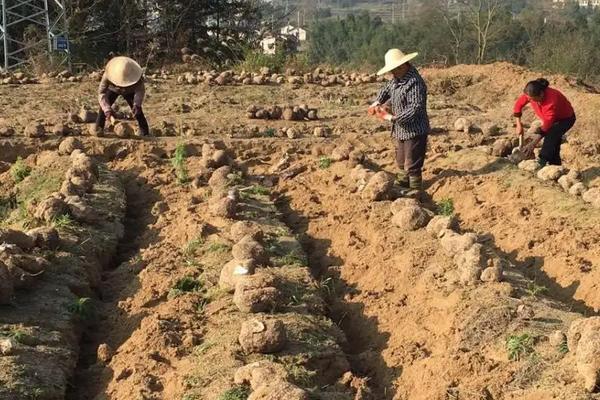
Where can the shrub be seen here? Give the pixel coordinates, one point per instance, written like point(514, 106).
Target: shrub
point(20, 170)
point(518, 346)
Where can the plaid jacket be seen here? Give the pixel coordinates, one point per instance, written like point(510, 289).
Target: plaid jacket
point(408, 100)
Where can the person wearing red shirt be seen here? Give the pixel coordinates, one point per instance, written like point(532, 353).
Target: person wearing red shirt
point(557, 116)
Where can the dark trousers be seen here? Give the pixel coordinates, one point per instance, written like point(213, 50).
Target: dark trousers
point(140, 117)
point(550, 152)
point(410, 155)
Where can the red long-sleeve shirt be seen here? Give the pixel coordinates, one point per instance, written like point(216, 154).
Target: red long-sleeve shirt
point(554, 107)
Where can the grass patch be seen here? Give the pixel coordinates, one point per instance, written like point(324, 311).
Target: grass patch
point(235, 178)
point(293, 259)
point(534, 290)
point(214, 293)
point(236, 393)
point(63, 222)
point(19, 170)
point(192, 247)
point(7, 206)
point(446, 207)
point(325, 162)
point(179, 161)
point(269, 132)
point(186, 284)
point(201, 305)
point(282, 256)
point(327, 287)
point(258, 190)
point(518, 346)
point(82, 308)
point(248, 214)
point(298, 374)
point(31, 191)
point(18, 335)
point(203, 348)
point(563, 348)
point(191, 262)
point(217, 247)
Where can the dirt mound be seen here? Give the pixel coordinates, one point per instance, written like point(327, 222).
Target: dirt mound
point(40, 355)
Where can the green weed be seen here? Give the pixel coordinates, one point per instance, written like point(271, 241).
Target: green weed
point(185, 285)
point(246, 214)
point(235, 178)
point(518, 346)
point(202, 305)
point(534, 290)
point(325, 162)
point(292, 258)
point(563, 348)
point(446, 207)
point(217, 247)
point(191, 262)
point(258, 190)
point(327, 287)
point(63, 222)
point(19, 170)
point(269, 132)
point(236, 393)
point(203, 348)
point(83, 308)
point(192, 246)
point(17, 335)
point(7, 205)
point(179, 163)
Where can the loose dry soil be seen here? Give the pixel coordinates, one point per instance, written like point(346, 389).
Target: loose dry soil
point(370, 310)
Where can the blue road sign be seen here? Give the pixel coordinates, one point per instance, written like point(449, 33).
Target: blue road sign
point(61, 43)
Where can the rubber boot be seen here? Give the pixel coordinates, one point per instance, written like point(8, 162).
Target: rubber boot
point(415, 186)
point(541, 163)
point(402, 180)
point(415, 182)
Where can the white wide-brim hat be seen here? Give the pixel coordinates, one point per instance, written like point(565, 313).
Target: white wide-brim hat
point(395, 58)
point(123, 71)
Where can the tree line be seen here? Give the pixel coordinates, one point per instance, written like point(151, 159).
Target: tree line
point(469, 32)
point(225, 32)
point(216, 30)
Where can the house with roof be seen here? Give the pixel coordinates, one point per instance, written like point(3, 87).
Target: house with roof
point(290, 30)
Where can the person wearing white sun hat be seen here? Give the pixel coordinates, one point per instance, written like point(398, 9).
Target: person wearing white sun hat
point(122, 77)
point(403, 102)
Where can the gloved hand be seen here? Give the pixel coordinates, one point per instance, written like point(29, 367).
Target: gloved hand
point(373, 109)
point(384, 115)
point(110, 119)
point(528, 149)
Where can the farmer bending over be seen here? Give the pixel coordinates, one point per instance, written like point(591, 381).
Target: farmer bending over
point(122, 77)
point(557, 116)
point(403, 102)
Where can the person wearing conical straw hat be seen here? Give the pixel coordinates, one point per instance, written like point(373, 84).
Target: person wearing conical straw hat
point(403, 102)
point(122, 77)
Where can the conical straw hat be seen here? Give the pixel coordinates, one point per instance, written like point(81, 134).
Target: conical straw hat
point(123, 71)
point(395, 58)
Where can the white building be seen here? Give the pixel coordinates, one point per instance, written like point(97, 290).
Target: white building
point(292, 31)
point(582, 3)
point(268, 45)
